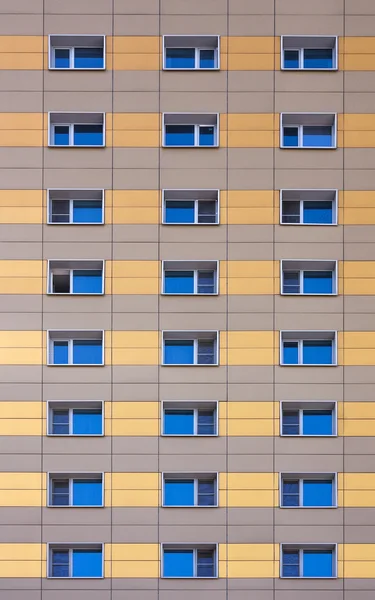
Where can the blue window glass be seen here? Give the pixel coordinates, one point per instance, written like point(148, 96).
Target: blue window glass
point(178, 422)
point(205, 563)
point(178, 352)
point(180, 58)
point(290, 136)
point(87, 211)
point(317, 422)
point(178, 563)
point(87, 492)
point(207, 59)
point(88, 135)
point(290, 493)
point(314, 136)
point(206, 352)
point(206, 422)
point(60, 563)
point(318, 58)
point(290, 566)
point(317, 212)
point(60, 492)
point(206, 492)
point(317, 563)
point(317, 493)
point(317, 352)
point(62, 58)
point(318, 282)
point(87, 563)
point(87, 352)
point(87, 282)
point(88, 58)
point(60, 353)
point(179, 212)
point(290, 422)
point(179, 135)
point(206, 136)
point(291, 282)
point(206, 282)
point(87, 421)
point(179, 493)
point(291, 59)
point(290, 353)
point(61, 135)
point(179, 282)
point(60, 422)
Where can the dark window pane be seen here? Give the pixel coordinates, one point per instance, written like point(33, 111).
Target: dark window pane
point(87, 211)
point(207, 211)
point(290, 422)
point(179, 282)
point(290, 493)
point(178, 422)
point(206, 493)
point(317, 422)
point(60, 211)
point(317, 352)
point(179, 135)
point(206, 282)
point(291, 282)
point(290, 566)
point(61, 135)
point(180, 58)
point(206, 352)
point(178, 352)
point(290, 211)
point(290, 136)
point(62, 58)
point(88, 58)
point(291, 59)
point(314, 136)
point(206, 422)
point(60, 422)
point(205, 563)
point(88, 135)
point(61, 283)
point(60, 563)
point(290, 353)
point(60, 492)
point(207, 59)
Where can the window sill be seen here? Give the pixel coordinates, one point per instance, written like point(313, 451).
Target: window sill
point(188, 365)
point(74, 435)
point(191, 69)
point(200, 224)
point(204, 147)
point(311, 294)
point(307, 507)
point(312, 69)
point(310, 224)
point(310, 578)
point(77, 69)
point(187, 294)
point(76, 146)
point(75, 223)
point(74, 578)
point(73, 294)
point(74, 506)
point(308, 147)
point(309, 365)
point(76, 365)
point(190, 435)
point(310, 435)
point(182, 577)
point(188, 506)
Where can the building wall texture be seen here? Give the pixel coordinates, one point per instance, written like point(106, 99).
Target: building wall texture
point(249, 93)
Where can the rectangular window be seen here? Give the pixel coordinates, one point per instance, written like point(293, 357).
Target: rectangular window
point(184, 562)
point(314, 419)
point(77, 130)
point(190, 130)
point(317, 53)
point(190, 491)
point(76, 562)
point(309, 350)
point(195, 351)
point(75, 418)
point(308, 207)
point(75, 277)
point(85, 349)
point(77, 52)
point(185, 52)
point(311, 561)
point(317, 491)
point(188, 419)
point(308, 277)
point(75, 207)
point(308, 130)
point(81, 490)
point(191, 207)
point(190, 277)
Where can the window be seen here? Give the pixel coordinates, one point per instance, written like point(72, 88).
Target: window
point(187, 561)
point(190, 277)
point(312, 561)
point(308, 207)
point(76, 277)
point(189, 418)
point(189, 490)
point(191, 207)
point(75, 207)
point(78, 490)
point(75, 418)
point(81, 561)
point(77, 52)
point(308, 130)
point(75, 348)
point(310, 490)
point(304, 277)
point(318, 53)
point(76, 129)
point(190, 348)
point(191, 52)
point(308, 348)
point(190, 129)
point(308, 418)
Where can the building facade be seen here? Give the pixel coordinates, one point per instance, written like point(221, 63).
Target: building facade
point(187, 325)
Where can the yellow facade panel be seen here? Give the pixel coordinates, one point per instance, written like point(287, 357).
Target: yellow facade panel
point(18, 138)
point(357, 427)
point(18, 215)
point(24, 410)
point(20, 356)
point(22, 497)
point(358, 216)
point(135, 498)
point(143, 122)
point(249, 569)
point(135, 339)
point(250, 427)
point(19, 124)
point(250, 62)
point(135, 569)
point(358, 45)
point(25, 61)
point(358, 410)
point(128, 285)
point(135, 481)
point(250, 216)
point(138, 215)
point(358, 123)
point(358, 62)
point(136, 44)
point(247, 198)
point(19, 285)
point(135, 427)
point(247, 339)
point(137, 62)
point(248, 139)
point(134, 552)
point(358, 340)
point(136, 198)
point(136, 268)
point(251, 44)
point(250, 410)
point(251, 122)
point(19, 552)
point(136, 139)
point(247, 286)
point(358, 569)
point(26, 426)
point(22, 568)
point(135, 410)
point(21, 339)
point(246, 552)
point(21, 43)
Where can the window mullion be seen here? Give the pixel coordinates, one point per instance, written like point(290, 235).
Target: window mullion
point(301, 282)
point(71, 134)
point(70, 492)
point(301, 562)
point(300, 352)
point(71, 271)
point(196, 210)
point(195, 352)
point(71, 57)
point(195, 562)
point(300, 413)
point(300, 136)
point(195, 281)
point(195, 492)
point(301, 220)
point(70, 211)
point(300, 492)
point(196, 65)
point(70, 562)
point(195, 421)
point(196, 135)
point(301, 58)
point(70, 352)
point(70, 421)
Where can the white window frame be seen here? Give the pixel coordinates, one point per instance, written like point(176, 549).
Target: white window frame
point(307, 477)
point(71, 48)
point(194, 548)
point(196, 129)
point(71, 205)
point(197, 66)
point(195, 276)
point(301, 407)
point(196, 207)
point(300, 128)
point(301, 49)
point(71, 125)
point(70, 406)
point(70, 271)
point(301, 273)
point(51, 546)
point(300, 548)
point(196, 477)
point(300, 341)
point(71, 477)
point(194, 406)
point(301, 202)
point(70, 340)
point(196, 340)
